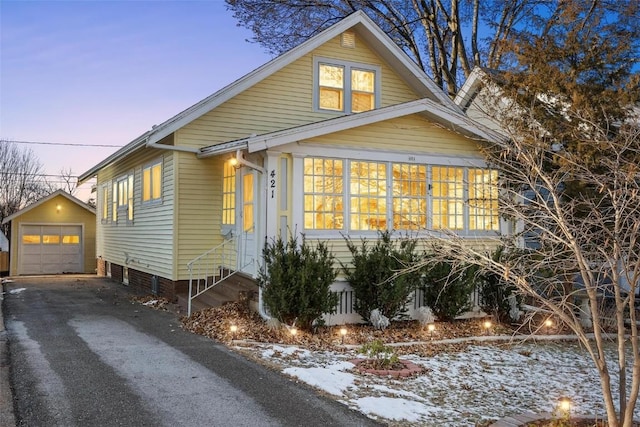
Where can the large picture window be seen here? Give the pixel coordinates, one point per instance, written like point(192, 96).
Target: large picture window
point(152, 182)
point(346, 87)
point(399, 196)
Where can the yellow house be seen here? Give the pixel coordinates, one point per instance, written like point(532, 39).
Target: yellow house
point(342, 135)
point(52, 236)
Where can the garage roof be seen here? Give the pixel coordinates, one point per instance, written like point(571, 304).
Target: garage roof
point(46, 199)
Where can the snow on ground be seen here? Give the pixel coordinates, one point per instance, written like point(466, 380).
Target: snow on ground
point(17, 290)
point(482, 383)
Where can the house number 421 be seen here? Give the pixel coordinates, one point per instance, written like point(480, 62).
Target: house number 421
point(272, 183)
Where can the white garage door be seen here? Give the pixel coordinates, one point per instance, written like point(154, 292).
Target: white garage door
point(50, 249)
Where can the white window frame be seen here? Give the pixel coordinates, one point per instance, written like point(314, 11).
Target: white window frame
point(347, 162)
point(105, 203)
point(347, 66)
point(229, 197)
point(150, 166)
point(122, 207)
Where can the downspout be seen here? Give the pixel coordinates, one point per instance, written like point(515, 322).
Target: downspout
point(241, 160)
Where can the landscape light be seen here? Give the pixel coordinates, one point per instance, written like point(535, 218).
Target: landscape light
point(487, 324)
point(564, 406)
point(234, 329)
point(431, 327)
point(293, 331)
point(548, 323)
point(343, 333)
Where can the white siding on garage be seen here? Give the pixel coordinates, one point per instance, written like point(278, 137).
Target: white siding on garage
point(51, 249)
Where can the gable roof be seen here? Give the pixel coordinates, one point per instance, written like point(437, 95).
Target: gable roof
point(358, 21)
point(46, 199)
point(452, 120)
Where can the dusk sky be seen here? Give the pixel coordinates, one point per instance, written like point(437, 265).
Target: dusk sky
point(104, 72)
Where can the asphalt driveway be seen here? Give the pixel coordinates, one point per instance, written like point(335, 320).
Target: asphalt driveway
point(81, 353)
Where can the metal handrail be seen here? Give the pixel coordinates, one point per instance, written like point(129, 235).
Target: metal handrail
point(214, 266)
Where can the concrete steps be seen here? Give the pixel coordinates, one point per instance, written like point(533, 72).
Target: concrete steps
point(228, 290)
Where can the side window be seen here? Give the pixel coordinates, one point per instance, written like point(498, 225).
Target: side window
point(104, 199)
point(229, 194)
point(152, 182)
point(123, 198)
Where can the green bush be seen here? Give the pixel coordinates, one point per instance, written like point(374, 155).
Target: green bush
point(382, 356)
point(376, 274)
point(447, 288)
point(495, 292)
point(296, 281)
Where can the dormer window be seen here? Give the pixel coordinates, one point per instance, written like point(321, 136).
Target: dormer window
point(345, 86)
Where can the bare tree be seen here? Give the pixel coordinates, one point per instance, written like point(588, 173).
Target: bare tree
point(569, 169)
point(446, 39)
point(21, 179)
point(66, 182)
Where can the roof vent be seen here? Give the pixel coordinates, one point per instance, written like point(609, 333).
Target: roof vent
point(348, 39)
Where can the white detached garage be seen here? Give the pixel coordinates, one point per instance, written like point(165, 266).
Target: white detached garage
point(55, 235)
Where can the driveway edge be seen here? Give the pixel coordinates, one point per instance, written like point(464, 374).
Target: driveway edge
point(7, 417)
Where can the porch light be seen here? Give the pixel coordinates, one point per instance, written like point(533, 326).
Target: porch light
point(58, 207)
point(233, 162)
point(343, 333)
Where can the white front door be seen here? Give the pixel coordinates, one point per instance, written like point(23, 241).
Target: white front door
point(247, 252)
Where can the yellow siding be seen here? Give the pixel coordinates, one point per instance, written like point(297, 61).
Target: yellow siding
point(411, 133)
point(46, 213)
point(285, 99)
point(338, 248)
point(147, 243)
point(198, 209)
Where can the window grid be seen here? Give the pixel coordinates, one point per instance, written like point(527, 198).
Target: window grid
point(368, 195)
point(229, 193)
point(123, 197)
point(345, 86)
point(323, 194)
point(460, 198)
point(448, 197)
point(483, 200)
point(409, 196)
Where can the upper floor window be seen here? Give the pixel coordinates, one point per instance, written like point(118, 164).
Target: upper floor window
point(152, 182)
point(123, 198)
point(345, 86)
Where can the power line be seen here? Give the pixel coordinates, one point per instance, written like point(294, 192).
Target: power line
point(63, 143)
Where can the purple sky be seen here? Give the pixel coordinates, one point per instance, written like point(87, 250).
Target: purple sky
point(104, 72)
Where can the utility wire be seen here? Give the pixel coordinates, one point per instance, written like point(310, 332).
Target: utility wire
point(62, 143)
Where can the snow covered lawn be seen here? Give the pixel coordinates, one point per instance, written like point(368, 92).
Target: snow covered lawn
point(480, 384)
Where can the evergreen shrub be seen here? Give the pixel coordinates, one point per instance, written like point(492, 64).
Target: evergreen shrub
point(376, 274)
point(447, 288)
point(296, 280)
